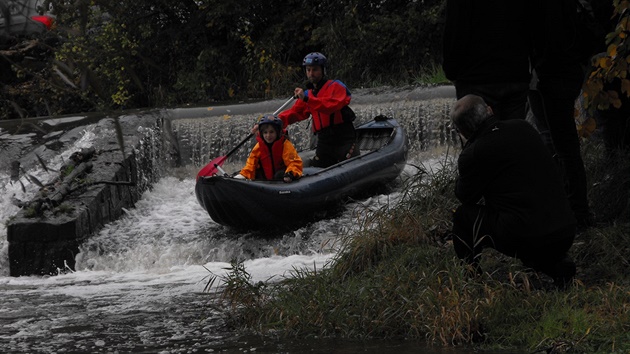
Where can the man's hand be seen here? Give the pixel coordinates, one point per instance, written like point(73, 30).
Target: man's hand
point(299, 93)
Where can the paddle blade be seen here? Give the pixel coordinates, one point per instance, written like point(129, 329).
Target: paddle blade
point(211, 169)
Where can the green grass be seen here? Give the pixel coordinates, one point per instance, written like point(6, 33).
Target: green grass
point(432, 75)
point(397, 276)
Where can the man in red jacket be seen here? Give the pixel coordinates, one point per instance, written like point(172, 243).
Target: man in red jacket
point(326, 103)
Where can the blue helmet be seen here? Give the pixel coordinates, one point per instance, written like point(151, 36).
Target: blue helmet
point(315, 58)
point(273, 120)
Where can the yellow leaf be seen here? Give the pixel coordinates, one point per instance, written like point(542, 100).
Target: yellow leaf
point(587, 127)
point(605, 62)
point(612, 50)
point(625, 86)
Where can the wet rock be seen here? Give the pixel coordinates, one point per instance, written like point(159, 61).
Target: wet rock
point(44, 237)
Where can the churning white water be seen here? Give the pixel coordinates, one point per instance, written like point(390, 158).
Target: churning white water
point(139, 282)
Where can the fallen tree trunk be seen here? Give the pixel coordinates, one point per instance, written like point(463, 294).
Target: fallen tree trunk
point(70, 179)
point(65, 187)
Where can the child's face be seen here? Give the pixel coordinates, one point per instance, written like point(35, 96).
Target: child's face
point(268, 133)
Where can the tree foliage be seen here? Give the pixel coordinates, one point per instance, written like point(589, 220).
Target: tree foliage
point(608, 83)
point(171, 52)
point(146, 53)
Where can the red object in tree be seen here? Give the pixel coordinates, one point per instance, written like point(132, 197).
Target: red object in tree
point(46, 20)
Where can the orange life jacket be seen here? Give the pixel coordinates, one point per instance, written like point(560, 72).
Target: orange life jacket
point(271, 160)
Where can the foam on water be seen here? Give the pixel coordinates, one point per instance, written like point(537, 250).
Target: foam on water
point(169, 232)
point(139, 282)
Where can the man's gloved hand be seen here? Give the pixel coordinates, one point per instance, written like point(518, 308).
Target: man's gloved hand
point(239, 176)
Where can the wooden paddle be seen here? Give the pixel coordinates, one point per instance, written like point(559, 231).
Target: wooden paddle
point(211, 168)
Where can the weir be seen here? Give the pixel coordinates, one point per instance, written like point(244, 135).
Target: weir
point(46, 241)
point(45, 234)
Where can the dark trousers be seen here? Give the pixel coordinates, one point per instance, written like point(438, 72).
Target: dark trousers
point(507, 100)
point(335, 144)
point(475, 228)
point(557, 95)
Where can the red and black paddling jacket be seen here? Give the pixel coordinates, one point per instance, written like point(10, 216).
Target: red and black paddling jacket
point(267, 159)
point(325, 105)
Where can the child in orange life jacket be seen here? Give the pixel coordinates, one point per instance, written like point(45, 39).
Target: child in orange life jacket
point(273, 157)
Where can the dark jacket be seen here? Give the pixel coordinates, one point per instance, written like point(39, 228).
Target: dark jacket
point(569, 33)
point(507, 164)
point(488, 41)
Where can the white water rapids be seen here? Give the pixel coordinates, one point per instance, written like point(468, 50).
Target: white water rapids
point(139, 282)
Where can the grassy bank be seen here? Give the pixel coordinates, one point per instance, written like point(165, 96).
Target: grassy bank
point(397, 276)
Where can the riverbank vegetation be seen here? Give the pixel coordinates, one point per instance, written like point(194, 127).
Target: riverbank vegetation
point(397, 276)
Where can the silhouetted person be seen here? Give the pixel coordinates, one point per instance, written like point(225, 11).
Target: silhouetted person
point(511, 193)
point(487, 46)
point(559, 61)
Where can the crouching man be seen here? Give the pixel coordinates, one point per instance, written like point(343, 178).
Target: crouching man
point(512, 195)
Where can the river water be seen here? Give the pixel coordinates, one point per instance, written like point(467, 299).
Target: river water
point(139, 282)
